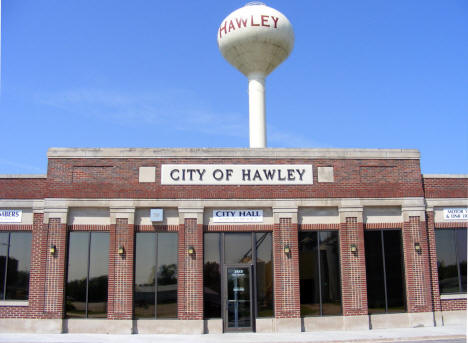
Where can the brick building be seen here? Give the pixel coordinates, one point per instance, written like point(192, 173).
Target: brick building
point(217, 240)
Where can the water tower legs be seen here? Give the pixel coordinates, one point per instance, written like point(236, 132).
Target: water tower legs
point(257, 124)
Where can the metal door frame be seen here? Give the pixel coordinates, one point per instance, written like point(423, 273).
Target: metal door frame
point(225, 299)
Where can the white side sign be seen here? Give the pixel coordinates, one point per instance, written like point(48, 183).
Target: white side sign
point(459, 213)
point(237, 216)
point(11, 216)
point(236, 174)
point(156, 214)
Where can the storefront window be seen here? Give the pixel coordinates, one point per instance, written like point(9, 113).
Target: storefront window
point(86, 289)
point(156, 260)
point(319, 273)
point(212, 276)
point(384, 271)
point(451, 260)
point(15, 259)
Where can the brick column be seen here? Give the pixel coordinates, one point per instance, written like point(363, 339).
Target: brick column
point(122, 233)
point(353, 265)
point(286, 270)
point(54, 264)
point(190, 269)
point(39, 252)
point(417, 267)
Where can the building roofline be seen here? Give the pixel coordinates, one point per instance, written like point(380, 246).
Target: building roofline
point(324, 153)
point(445, 176)
point(23, 176)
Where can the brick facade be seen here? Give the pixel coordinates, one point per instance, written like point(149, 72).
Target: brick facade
point(377, 181)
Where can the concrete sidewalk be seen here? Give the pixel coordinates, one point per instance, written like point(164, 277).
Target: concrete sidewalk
point(382, 335)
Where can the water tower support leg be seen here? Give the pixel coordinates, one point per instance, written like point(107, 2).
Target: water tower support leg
point(257, 123)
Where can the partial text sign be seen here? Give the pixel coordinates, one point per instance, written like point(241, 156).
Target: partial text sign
point(11, 216)
point(458, 213)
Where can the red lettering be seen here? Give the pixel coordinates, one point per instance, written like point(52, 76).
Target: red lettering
point(265, 20)
point(241, 21)
point(252, 22)
point(221, 28)
point(231, 26)
point(275, 20)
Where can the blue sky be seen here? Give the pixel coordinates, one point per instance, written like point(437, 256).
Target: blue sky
point(114, 73)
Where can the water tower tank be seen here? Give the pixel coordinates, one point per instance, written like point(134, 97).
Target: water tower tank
point(256, 39)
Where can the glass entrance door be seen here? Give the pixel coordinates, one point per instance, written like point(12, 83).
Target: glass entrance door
point(238, 305)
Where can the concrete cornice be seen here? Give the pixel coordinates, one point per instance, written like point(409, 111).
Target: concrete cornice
point(23, 176)
point(445, 176)
point(269, 153)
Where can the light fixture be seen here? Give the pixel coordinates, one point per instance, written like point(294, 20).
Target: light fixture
point(191, 251)
point(417, 248)
point(121, 250)
point(353, 249)
point(52, 249)
point(287, 249)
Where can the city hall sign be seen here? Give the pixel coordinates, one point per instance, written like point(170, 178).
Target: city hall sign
point(236, 174)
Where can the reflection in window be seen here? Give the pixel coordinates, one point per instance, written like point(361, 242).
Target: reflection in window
point(264, 270)
point(212, 276)
point(156, 259)
point(319, 270)
point(15, 259)
point(451, 260)
point(87, 279)
point(384, 271)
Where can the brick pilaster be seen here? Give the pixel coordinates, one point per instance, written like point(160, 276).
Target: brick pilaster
point(353, 268)
point(433, 261)
point(190, 270)
point(37, 270)
point(286, 269)
point(54, 269)
point(417, 267)
point(120, 305)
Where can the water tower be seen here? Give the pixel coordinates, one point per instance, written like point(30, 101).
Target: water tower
point(256, 39)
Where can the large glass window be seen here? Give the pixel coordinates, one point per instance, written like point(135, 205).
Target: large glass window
point(156, 275)
point(87, 279)
point(238, 248)
point(15, 259)
point(319, 270)
point(384, 271)
point(451, 260)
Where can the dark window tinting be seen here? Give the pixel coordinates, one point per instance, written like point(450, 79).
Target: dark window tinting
point(212, 276)
point(88, 259)
point(156, 259)
point(264, 270)
point(451, 260)
point(15, 259)
point(384, 271)
point(319, 270)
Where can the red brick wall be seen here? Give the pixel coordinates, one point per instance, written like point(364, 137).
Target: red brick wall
point(433, 261)
point(453, 304)
point(120, 296)
point(353, 268)
point(23, 188)
point(190, 271)
point(445, 188)
point(286, 270)
point(118, 178)
point(417, 270)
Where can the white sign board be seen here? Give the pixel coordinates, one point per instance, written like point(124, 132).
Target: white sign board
point(454, 214)
point(236, 174)
point(156, 214)
point(237, 216)
point(11, 216)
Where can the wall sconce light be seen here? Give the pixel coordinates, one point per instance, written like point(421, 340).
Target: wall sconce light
point(287, 250)
point(191, 251)
point(417, 248)
point(52, 249)
point(121, 250)
point(353, 249)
